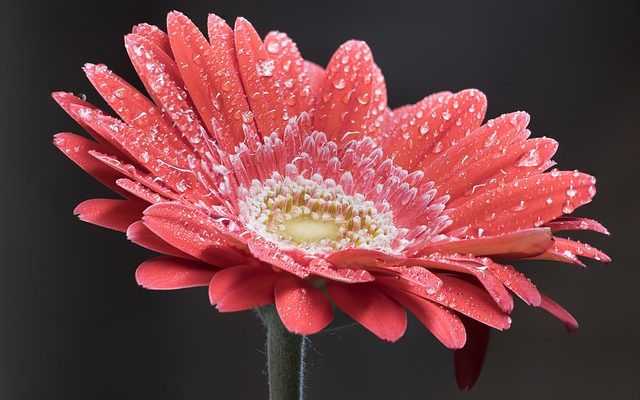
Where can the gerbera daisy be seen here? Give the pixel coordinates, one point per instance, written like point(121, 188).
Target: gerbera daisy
point(272, 180)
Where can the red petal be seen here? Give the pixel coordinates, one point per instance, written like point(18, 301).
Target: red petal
point(110, 213)
point(430, 127)
point(242, 287)
point(503, 165)
point(517, 283)
point(139, 234)
point(71, 104)
point(576, 224)
point(519, 244)
point(458, 295)
point(210, 74)
point(361, 259)
point(303, 309)
point(345, 98)
point(270, 253)
point(525, 203)
point(167, 273)
point(154, 35)
point(322, 268)
point(371, 308)
point(166, 90)
point(162, 154)
point(495, 133)
point(77, 149)
point(134, 174)
point(131, 105)
point(190, 231)
point(468, 360)
point(565, 250)
point(273, 75)
point(443, 324)
point(470, 266)
point(557, 311)
point(315, 73)
point(140, 191)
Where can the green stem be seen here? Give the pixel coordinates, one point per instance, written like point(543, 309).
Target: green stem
point(285, 358)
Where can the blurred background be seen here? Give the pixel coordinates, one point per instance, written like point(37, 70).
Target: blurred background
point(74, 324)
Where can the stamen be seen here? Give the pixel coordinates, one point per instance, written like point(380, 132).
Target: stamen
point(314, 214)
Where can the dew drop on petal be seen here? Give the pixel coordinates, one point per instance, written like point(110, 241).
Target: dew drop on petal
point(568, 207)
point(273, 47)
point(339, 83)
point(265, 67)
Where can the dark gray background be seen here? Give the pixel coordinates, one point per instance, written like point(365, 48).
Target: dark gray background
point(74, 324)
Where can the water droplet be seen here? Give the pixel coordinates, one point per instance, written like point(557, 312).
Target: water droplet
point(571, 191)
point(364, 98)
point(568, 207)
point(181, 186)
point(424, 128)
point(82, 96)
point(339, 83)
point(520, 206)
point(265, 67)
point(531, 158)
point(273, 47)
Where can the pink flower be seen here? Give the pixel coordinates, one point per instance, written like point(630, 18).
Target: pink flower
point(270, 179)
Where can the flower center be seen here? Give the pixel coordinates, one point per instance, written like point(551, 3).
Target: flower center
point(314, 214)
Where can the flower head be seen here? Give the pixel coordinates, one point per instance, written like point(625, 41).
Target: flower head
point(270, 179)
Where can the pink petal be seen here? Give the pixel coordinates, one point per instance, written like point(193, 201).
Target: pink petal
point(73, 105)
point(557, 311)
point(243, 287)
point(471, 266)
point(565, 250)
point(133, 174)
point(154, 35)
point(576, 224)
point(443, 324)
point(468, 360)
point(210, 75)
point(516, 282)
point(519, 244)
point(166, 90)
point(458, 295)
point(361, 258)
point(371, 308)
point(163, 154)
point(77, 148)
point(345, 97)
point(273, 74)
point(525, 203)
point(322, 268)
point(430, 127)
point(315, 73)
point(190, 231)
point(140, 191)
point(270, 253)
point(131, 105)
point(139, 234)
point(167, 273)
point(110, 213)
point(303, 309)
point(494, 134)
point(501, 166)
